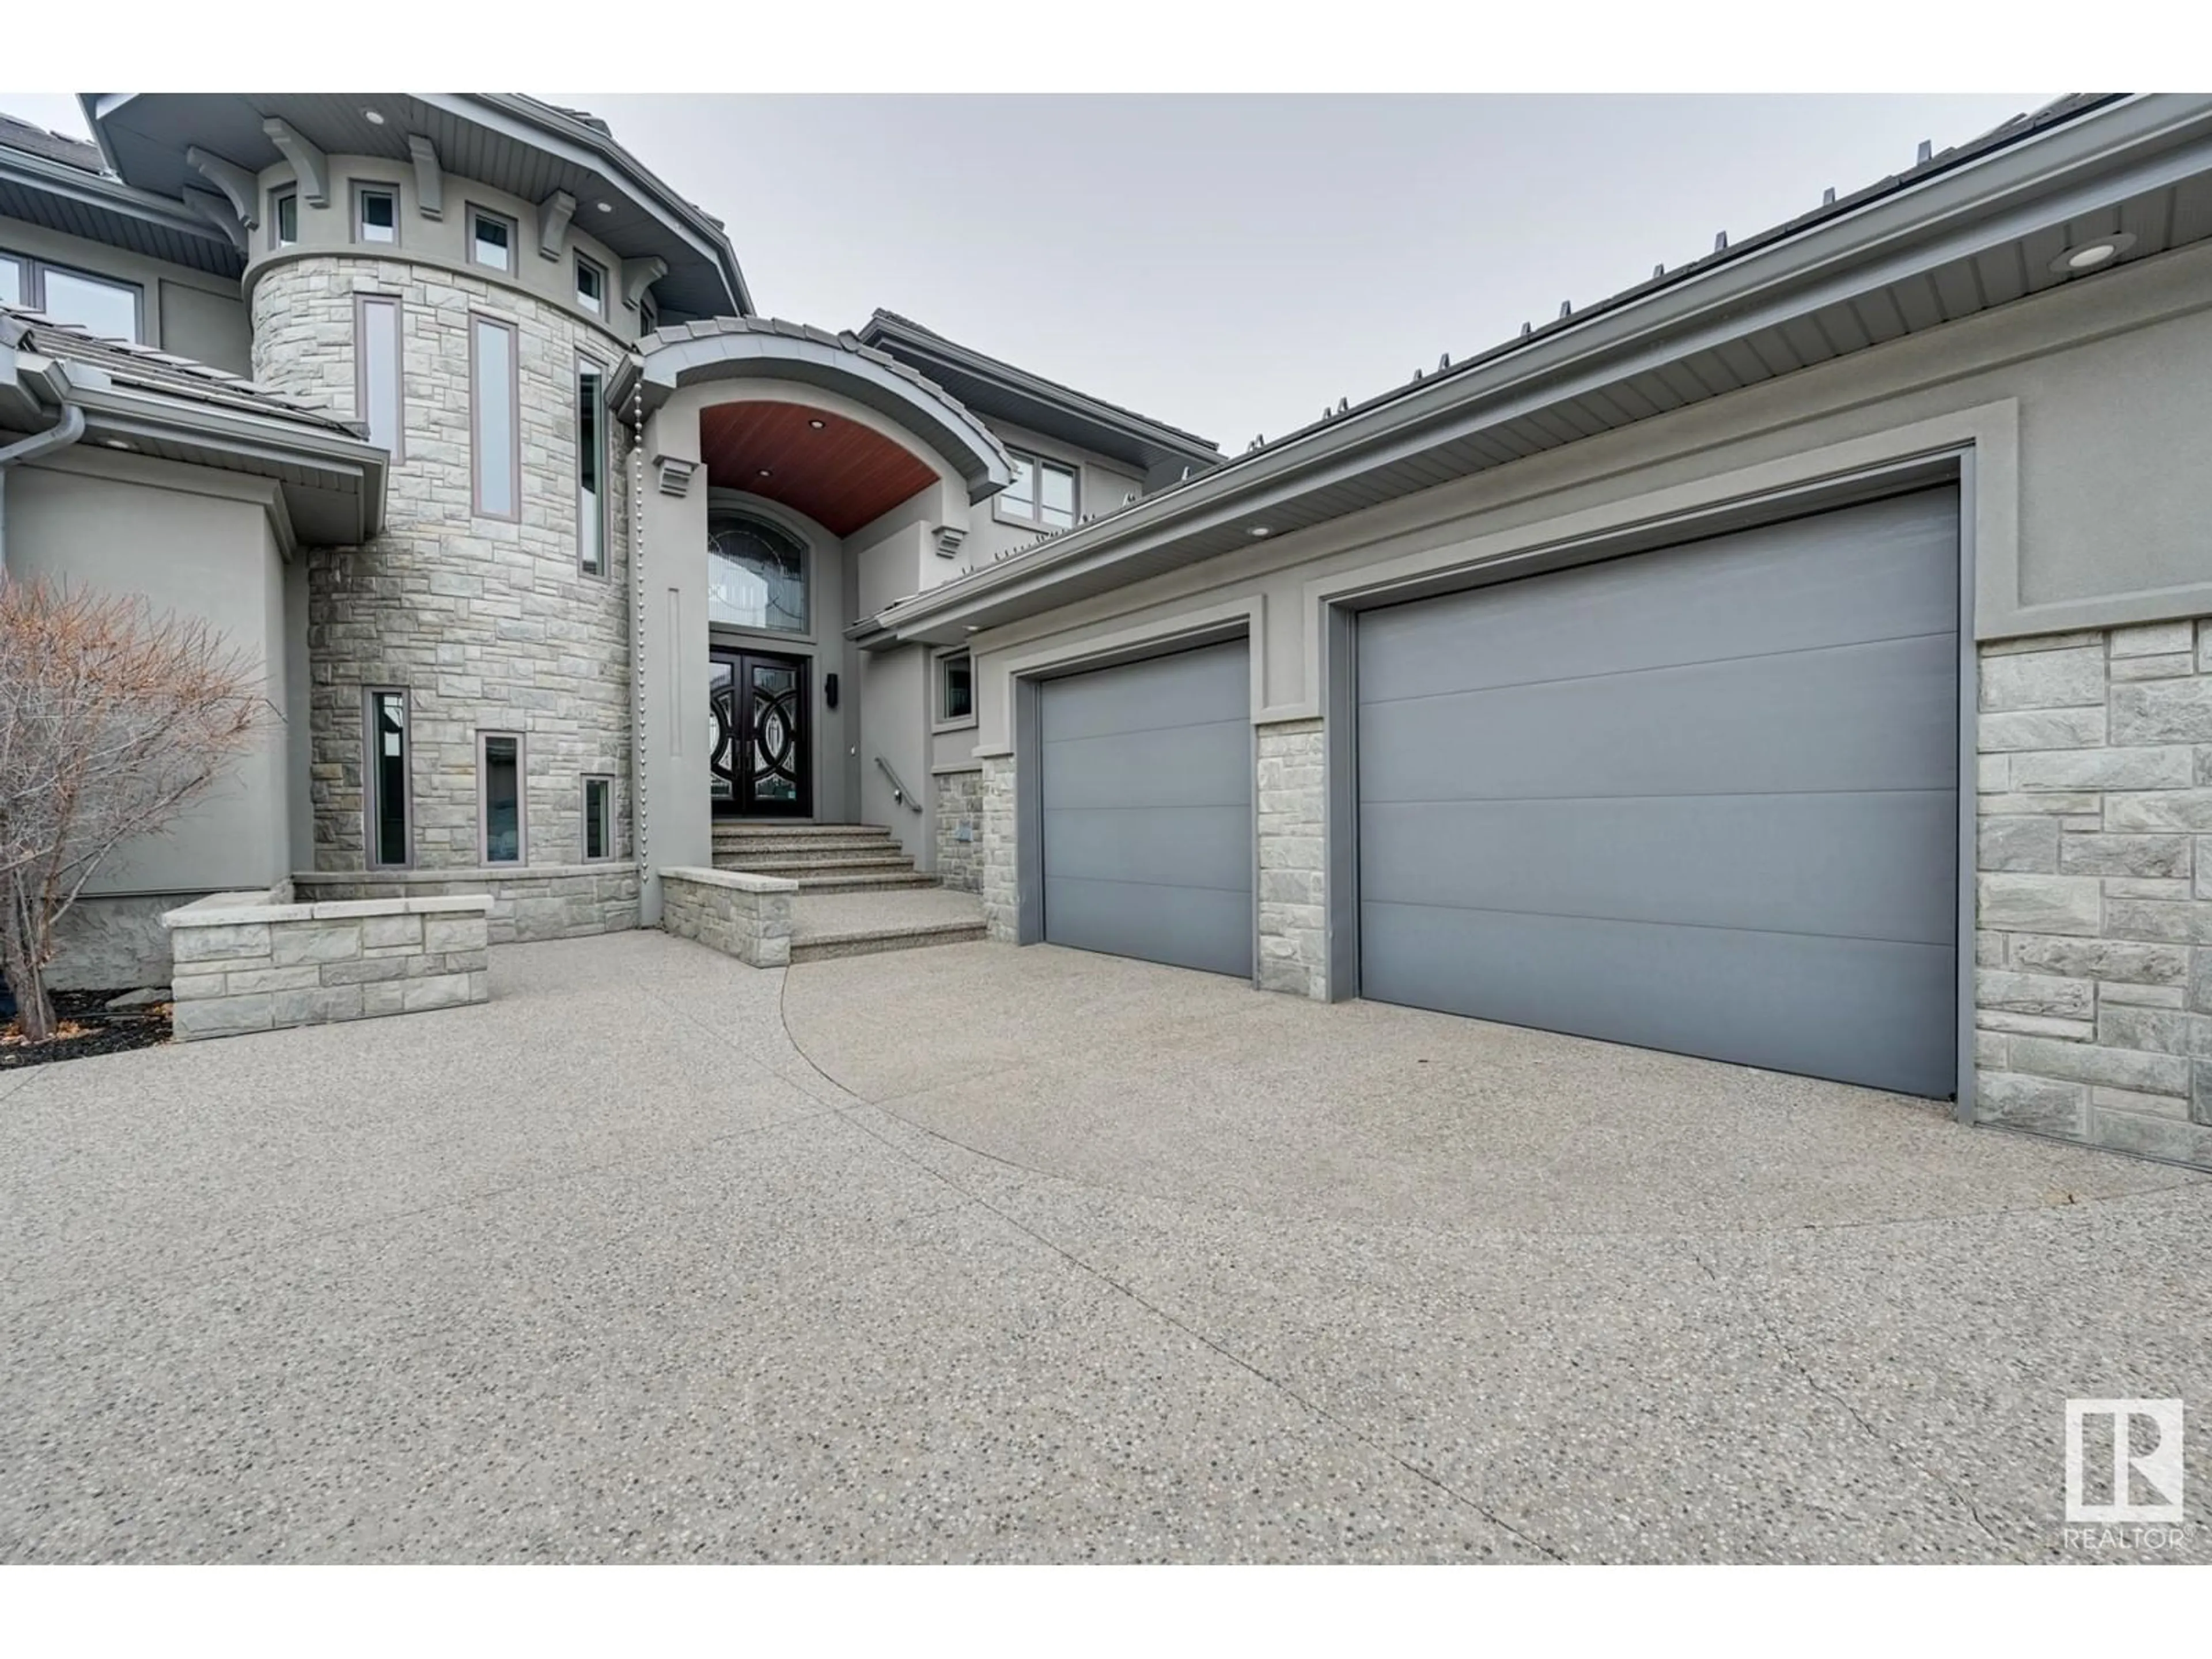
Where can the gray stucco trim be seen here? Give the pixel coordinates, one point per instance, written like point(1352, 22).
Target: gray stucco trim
point(1969, 785)
point(1029, 811)
point(1340, 668)
point(734, 350)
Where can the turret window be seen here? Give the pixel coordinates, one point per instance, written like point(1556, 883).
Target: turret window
point(375, 214)
point(491, 240)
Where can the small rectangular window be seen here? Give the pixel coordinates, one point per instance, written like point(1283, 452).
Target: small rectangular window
point(499, 786)
point(284, 218)
point(591, 286)
point(599, 818)
point(96, 305)
point(591, 468)
point(956, 686)
point(1043, 493)
point(376, 214)
point(384, 792)
point(11, 281)
point(491, 240)
point(494, 428)
point(377, 399)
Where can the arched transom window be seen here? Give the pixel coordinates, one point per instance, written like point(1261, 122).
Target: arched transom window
point(756, 575)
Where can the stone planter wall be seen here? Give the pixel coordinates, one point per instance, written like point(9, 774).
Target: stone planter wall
point(533, 902)
point(741, 916)
point(2093, 957)
point(246, 964)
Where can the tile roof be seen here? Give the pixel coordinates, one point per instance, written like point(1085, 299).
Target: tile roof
point(898, 321)
point(26, 139)
point(144, 368)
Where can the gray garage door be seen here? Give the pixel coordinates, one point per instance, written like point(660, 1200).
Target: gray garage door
point(1147, 796)
point(1703, 799)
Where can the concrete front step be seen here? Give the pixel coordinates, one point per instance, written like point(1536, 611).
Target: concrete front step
point(887, 882)
point(754, 830)
point(769, 858)
point(886, 939)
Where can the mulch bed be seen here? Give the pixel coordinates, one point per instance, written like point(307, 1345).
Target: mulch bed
point(96, 1031)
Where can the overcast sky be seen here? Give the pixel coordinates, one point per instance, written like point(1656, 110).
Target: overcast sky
point(1229, 265)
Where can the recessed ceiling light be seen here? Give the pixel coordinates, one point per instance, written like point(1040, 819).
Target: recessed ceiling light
point(817, 425)
point(1258, 531)
point(605, 207)
point(974, 627)
point(374, 118)
point(2092, 255)
point(764, 472)
point(115, 443)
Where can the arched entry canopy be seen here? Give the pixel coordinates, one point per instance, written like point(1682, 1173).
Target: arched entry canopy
point(743, 439)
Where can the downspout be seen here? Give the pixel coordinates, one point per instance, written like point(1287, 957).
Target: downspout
point(60, 435)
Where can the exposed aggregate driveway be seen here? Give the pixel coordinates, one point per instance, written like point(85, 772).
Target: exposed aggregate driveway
point(974, 1253)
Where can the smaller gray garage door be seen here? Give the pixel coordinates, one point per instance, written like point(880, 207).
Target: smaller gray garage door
point(1147, 796)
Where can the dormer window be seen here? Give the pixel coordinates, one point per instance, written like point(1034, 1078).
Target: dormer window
point(491, 241)
point(375, 214)
point(591, 287)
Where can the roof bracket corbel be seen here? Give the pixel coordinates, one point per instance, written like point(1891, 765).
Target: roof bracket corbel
point(309, 166)
point(235, 183)
point(218, 212)
point(639, 275)
point(553, 215)
point(429, 177)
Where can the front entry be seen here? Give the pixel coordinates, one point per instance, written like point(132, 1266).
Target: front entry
point(759, 735)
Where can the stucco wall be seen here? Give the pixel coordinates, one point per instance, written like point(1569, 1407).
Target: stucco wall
point(490, 625)
point(197, 543)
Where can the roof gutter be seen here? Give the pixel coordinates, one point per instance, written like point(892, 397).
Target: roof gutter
point(1986, 199)
point(60, 435)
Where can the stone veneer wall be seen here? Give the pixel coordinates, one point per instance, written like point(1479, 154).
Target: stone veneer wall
point(1000, 883)
point(490, 625)
point(1293, 919)
point(245, 963)
point(960, 830)
point(2093, 957)
point(534, 903)
point(741, 916)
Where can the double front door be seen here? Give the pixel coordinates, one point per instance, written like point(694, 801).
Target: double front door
point(760, 744)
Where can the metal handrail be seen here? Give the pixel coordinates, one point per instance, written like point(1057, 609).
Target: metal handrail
point(900, 792)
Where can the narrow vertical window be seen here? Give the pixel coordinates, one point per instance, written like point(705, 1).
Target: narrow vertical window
point(499, 781)
point(956, 686)
point(284, 218)
point(376, 214)
point(591, 468)
point(591, 286)
point(376, 392)
point(12, 280)
point(494, 432)
point(386, 778)
point(599, 818)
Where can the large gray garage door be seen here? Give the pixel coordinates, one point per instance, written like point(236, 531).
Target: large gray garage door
point(1147, 797)
point(1703, 799)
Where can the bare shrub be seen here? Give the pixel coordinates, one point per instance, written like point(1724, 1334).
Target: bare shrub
point(113, 720)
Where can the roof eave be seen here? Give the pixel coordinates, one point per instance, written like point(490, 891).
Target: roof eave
point(928, 343)
point(2032, 176)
